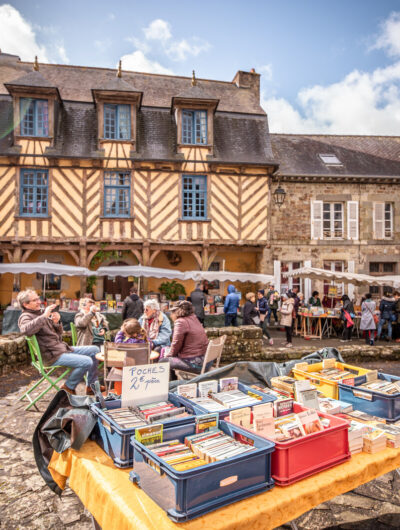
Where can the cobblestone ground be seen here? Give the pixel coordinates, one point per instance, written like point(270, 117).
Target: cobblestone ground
point(27, 503)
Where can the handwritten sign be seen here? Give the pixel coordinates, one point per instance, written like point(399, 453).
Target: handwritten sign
point(146, 383)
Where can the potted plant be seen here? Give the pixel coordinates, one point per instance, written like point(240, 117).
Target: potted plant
point(172, 290)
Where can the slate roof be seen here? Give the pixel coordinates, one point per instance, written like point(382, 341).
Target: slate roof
point(116, 84)
point(198, 91)
point(75, 83)
point(241, 139)
point(31, 79)
point(359, 155)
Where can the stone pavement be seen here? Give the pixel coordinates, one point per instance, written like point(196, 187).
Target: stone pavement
point(27, 503)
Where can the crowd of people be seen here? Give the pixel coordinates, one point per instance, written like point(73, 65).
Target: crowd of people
point(258, 310)
point(184, 347)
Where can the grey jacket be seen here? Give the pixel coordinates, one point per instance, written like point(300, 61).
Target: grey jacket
point(199, 300)
point(84, 329)
point(48, 334)
point(367, 312)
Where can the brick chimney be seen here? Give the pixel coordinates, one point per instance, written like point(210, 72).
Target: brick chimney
point(248, 80)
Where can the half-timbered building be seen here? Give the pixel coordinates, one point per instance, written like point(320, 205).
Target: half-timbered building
point(162, 170)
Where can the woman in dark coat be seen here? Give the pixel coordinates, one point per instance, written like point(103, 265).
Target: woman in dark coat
point(250, 312)
point(347, 315)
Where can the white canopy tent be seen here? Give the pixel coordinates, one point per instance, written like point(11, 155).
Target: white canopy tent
point(224, 276)
point(138, 271)
point(44, 268)
point(344, 277)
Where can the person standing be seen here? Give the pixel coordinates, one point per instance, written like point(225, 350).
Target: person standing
point(250, 312)
point(315, 300)
point(262, 306)
point(287, 317)
point(387, 308)
point(199, 300)
point(367, 323)
point(47, 327)
point(133, 305)
point(347, 315)
point(272, 301)
point(231, 306)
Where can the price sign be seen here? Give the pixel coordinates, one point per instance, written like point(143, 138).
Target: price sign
point(146, 383)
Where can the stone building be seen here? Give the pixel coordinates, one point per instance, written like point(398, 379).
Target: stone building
point(99, 166)
point(342, 206)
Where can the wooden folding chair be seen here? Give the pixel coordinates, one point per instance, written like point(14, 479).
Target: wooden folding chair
point(213, 353)
point(45, 372)
point(120, 355)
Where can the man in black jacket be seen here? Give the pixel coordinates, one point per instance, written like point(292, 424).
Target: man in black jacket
point(199, 300)
point(133, 305)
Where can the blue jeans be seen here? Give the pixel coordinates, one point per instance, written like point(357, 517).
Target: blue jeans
point(231, 319)
point(83, 359)
point(389, 327)
point(274, 312)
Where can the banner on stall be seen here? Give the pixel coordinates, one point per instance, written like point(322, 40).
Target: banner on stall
point(146, 383)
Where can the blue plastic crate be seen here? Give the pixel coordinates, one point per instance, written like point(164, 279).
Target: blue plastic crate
point(198, 410)
point(185, 495)
point(372, 402)
point(116, 441)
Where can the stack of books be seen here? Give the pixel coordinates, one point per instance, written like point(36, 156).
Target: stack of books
point(295, 426)
point(125, 417)
point(355, 435)
point(284, 385)
point(381, 386)
point(374, 440)
point(334, 406)
point(392, 433)
point(208, 404)
point(163, 410)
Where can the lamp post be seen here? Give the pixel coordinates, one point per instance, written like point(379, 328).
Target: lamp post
point(279, 195)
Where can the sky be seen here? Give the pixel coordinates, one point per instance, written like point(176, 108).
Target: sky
point(328, 66)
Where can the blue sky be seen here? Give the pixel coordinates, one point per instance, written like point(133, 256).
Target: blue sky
point(327, 66)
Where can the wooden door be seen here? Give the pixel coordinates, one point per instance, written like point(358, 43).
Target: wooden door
point(117, 285)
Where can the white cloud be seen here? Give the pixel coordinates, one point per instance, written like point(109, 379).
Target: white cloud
point(139, 44)
point(158, 30)
point(138, 62)
point(360, 103)
point(266, 71)
point(179, 51)
point(389, 39)
point(18, 37)
point(62, 54)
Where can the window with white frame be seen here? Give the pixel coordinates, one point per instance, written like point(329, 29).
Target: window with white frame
point(383, 220)
point(288, 283)
point(328, 221)
point(332, 222)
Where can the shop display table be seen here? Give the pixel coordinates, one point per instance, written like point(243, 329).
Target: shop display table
point(117, 503)
point(11, 316)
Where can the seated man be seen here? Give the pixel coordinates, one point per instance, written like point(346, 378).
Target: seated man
point(48, 329)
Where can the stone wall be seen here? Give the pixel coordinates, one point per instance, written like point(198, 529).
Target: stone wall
point(242, 343)
point(13, 352)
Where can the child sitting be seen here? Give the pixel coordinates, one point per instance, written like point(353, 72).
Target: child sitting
point(131, 332)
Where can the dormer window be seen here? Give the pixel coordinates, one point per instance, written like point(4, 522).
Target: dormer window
point(34, 117)
point(117, 122)
point(330, 160)
point(194, 127)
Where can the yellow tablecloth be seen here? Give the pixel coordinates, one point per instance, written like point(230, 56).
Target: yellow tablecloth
point(117, 503)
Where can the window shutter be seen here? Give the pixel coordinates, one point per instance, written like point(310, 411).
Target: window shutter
point(379, 220)
point(316, 220)
point(352, 220)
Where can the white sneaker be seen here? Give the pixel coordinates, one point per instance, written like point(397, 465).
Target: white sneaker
point(271, 341)
point(289, 345)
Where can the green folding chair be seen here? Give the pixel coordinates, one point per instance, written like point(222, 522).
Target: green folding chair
point(74, 335)
point(45, 372)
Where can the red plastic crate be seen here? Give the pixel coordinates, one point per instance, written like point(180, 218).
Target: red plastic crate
point(298, 459)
